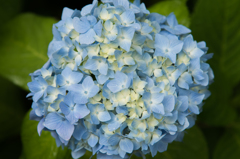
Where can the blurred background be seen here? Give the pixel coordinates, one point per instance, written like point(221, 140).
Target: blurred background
point(25, 31)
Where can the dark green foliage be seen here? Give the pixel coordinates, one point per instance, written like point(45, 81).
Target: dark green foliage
point(23, 44)
point(23, 49)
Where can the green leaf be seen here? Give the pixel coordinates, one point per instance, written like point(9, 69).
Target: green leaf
point(212, 135)
point(23, 47)
point(193, 146)
point(177, 6)
point(217, 22)
point(9, 9)
point(11, 109)
point(228, 146)
point(10, 145)
point(41, 147)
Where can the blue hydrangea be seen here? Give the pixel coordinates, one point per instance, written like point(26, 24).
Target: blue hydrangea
point(119, 80)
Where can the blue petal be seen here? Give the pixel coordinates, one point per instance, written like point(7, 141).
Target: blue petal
point(94, 119)
point(114, 86)
point(92, 107)
point(157, 97)
point(198, 74)
point(169, 103)
point(137, 2)
point(196, 53)
point(193, 108)
point(128, 17)
point(139, 39)
point(79, 131)
point(37, 96)
point(79, 153)
point(69, 99)
point(80, 26)
point(88, 83)
point(126, 145)
point(114, 140)
point(104, 116)
point(124, 3)
point(89, 8)
point(91, 64)
point(53, 121)
point(96, 149)
point(40, 126)
point(93, 140)
point(103, 68)
point(64, 108)
point(81, 111)
point(129, 61)
point(162, 146)
point(121, 153)
point(171, 20)
point(88, 37)
point(114, 125)
point(122, 109)
point(102, 79)
point(34, 86)
point(98, 28)
point(171, 127)
point(158, 108)
point(66, 13)
point(75, 77)
point(117, 54)
point(66, 72)
point(92, 20)
point(125, 44)
point(80, 98)
point(117, 84)
point(159, 52)
point(103, 139)
point(56, 33)
point(71, 117)
point(176, 45)
point(94, 90)
point(146, 28)
point(65, 131)
point(156, 17)
point(108, 25)
point(153, 149)
point(161, 41)
point(181, 118)
point(182, 29)
point(86, 10)
point(111, 37)
point(196, 98)
point(184, 103)
point(128, 32)
point(60, 80)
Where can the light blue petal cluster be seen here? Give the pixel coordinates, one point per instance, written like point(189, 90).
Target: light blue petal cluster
point(119, 80)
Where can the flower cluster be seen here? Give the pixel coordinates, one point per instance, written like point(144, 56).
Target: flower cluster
point(119, 80)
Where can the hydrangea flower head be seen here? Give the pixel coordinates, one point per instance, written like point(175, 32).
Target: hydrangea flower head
point(119, 80)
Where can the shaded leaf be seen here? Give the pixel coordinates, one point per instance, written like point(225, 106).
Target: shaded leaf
point(212, 135)
point(9, 9)
point(44, 146)
point(11, 144)
point(12, 109)
point(228, 146)
point(177, 6)
point(217, 22)
point(39, 147)
point(23, 46)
